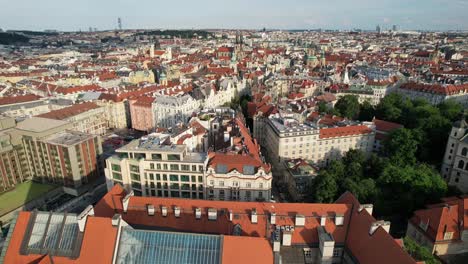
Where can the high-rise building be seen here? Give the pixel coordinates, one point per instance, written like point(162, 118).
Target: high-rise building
point(378, 29)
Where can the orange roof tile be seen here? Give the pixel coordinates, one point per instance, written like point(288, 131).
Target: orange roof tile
point(70, 111)
point(344, 131)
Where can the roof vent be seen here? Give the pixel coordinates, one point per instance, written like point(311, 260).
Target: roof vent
point(323, 220)
point(177, 211)
point(164, 210)
point(368, 208)
point(231, 215)
point(116, 219)
point(339, 219)
point(300, 220)
point(150, 209)
point(254, 216)
point(384, 224)
point(197, 213)
point(212, 214)
point(273, 218)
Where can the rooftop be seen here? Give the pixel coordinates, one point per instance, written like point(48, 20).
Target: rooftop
point(40, 124)
point(68, 138)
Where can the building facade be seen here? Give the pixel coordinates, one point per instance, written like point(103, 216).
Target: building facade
point(455, 163)
point(171, 110)
point(154, 167)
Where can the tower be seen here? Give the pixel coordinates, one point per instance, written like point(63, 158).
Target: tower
point(119, 23)
point(378, 29)
point(151, 50)
point(239, 46)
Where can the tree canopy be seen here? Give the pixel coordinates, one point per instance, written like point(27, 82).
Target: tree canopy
point(348, 106)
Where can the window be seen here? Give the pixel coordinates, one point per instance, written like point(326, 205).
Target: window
point(173, 157)
point(158, 176)
point(174, 167)
point(156, 157)
point(136, 185)
point(151, 176)
point(461, 164)
point(158, 166)
point(134, 168)
point(164, 177)
point(115, 167)
point(151, 166)
point(448, 235)
point(248, 195)
point(260, 185)
point(464, 151)
point(173, 177)
point(248, 185)
point(135, 177)
point(200, 178)
point(337, 252)
point(184, 178)
point(211, 182)
point(117, 176)
point(185, 167)
point(165, 166)
point(221, 183)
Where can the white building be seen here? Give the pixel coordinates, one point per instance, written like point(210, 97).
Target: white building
point(436, 93)
point(171, 110)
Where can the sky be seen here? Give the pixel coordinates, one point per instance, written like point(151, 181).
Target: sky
point(77, 15)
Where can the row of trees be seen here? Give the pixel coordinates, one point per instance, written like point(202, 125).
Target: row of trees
point(403, 177)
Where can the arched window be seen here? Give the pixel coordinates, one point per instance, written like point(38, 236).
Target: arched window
point(466, 166)
point(464, 151)
point(461, 164)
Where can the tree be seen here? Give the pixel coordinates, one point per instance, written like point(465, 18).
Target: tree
point(418, 252)
point(348, 106)
point(401, 147)
point(367, 111)
point(450, 110)
point(325, 188)
point(322, 107)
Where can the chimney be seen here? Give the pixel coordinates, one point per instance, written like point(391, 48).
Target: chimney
point(277, 239)
point(287, 234)
point(323, 220)
point(368, 208)
point(150, 209)
point(230, 215)
point(212, 214)
point(300, 220)
point(273, 218)
point(254, 216)
point(384, 224)
point(177, 211)
point(116, 219)
point(83, 216)
point(163, 210)
point(126, 200)
point(197, 213)
point(326, 245)
point(339, 219)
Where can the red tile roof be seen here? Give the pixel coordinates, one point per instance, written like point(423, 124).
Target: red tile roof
point(385, 126)
point(18, 99)
point(344, 131)
point(70, 111)
point(435, 88)
point(452, 215)
point(238, 249)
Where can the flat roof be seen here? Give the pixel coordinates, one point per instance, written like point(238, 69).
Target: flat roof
point(40, 124)
point(135, 145)
point(68, 138)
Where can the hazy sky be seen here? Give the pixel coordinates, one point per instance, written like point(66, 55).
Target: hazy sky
point(256, 14)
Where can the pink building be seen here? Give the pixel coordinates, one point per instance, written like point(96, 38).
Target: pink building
point(141, 113)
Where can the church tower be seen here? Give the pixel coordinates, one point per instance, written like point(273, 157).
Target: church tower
point(238, 49)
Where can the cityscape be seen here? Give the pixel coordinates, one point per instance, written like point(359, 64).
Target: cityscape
point(237, 142)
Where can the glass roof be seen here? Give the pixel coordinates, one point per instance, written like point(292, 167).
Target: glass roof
point(143, 246)
point(53, 232)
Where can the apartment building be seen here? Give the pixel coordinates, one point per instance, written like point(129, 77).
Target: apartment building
point(56, 154)
point(436, 93)
point(455, 163)
point(153, 166)
point(171, 110)
point(13, 169)
point(85, 117)
point(286, 138)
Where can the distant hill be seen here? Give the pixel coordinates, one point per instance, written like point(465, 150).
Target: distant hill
point(7, 38)
point(185, 34)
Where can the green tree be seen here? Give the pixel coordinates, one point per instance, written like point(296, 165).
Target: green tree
point(419, 253)
point(348, 106)
point(450, 110)
point(401, 147)
point(325, 188)
point(322, 107)
point(367, 111)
